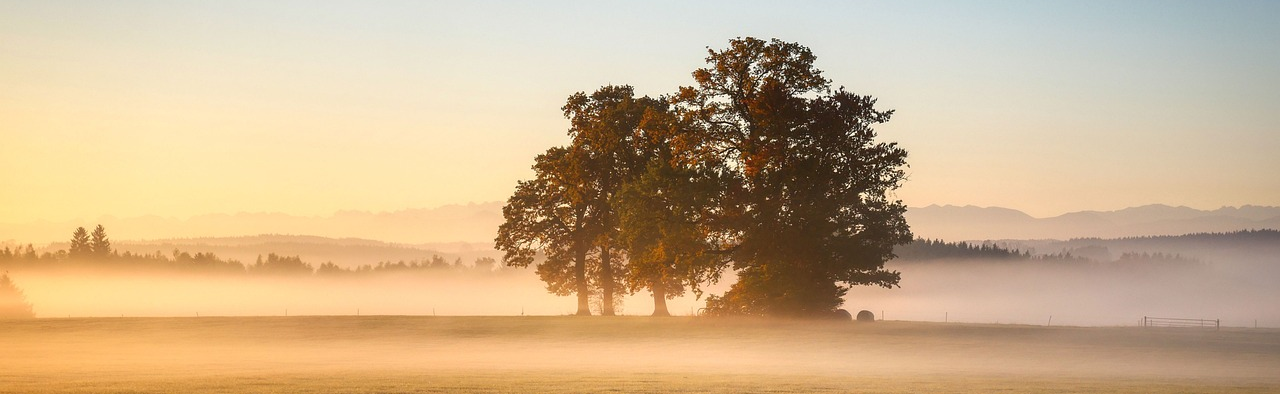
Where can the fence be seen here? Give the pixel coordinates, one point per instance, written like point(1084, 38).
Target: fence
point(1148, 321)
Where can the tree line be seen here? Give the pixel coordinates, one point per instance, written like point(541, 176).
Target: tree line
point(760, 166)
point(935, 249)
point(94, 250)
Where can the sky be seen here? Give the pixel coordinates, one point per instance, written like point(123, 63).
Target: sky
point(177, 109)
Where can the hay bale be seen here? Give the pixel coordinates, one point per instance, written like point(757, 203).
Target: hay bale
point(841, 314)
point(866, 316)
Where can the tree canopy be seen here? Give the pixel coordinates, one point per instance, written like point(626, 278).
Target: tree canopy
point(811, 212)
point(760, 166)
point(547, 215)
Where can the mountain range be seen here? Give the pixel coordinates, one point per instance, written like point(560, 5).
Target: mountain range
point(959, 223)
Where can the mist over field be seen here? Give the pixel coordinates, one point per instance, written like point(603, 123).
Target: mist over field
point(510, 292)
point(1226, 277)
point(1081, 294)
point(631, 354)
point(1093, 282)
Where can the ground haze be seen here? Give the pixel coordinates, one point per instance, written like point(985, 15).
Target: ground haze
point(632, 354)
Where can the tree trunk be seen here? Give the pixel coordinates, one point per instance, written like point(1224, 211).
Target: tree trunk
point(606, 281)
point(660, 299)
point(580, 273)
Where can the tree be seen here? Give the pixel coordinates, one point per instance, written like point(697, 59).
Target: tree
point(605, 127)
point(273, 265)
point(566, 212)
point(80, 246)
point(668, 241)
point(99, 245)
point(546, 215)
point(665, 216)
point(484, 264)
point(809, 212)
point(13, 304)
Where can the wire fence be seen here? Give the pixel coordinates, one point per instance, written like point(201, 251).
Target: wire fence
point(1148, 321)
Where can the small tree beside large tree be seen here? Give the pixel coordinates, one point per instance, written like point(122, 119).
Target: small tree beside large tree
point(547, 216)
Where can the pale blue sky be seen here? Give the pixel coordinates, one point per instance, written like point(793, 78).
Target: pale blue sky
point(177, 109)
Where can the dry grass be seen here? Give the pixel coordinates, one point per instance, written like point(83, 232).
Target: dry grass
point(392, 354)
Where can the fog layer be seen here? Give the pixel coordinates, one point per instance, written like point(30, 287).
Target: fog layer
point(1073, 293)
point(504, 293)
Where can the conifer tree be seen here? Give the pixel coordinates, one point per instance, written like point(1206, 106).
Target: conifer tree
point(13, 304)
point(99, 245)
point(80, 246)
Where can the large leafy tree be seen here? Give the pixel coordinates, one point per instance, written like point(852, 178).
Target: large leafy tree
point(568, 211)
point(604, 126)
point(547, 216)
point(665, 216)
point(663, 225)
point(761, 163)
point(810, 212)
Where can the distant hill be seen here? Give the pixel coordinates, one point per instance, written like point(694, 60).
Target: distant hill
point(1249, 246)
point(345, 252)
point(955, 223)
point(470, 223)
point(1249, 256)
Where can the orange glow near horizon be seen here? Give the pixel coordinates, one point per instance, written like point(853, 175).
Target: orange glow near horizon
point(186, 109)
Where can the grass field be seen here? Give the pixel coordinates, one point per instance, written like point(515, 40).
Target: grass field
point(403, 354)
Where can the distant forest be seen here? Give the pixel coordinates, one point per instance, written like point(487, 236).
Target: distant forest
point(1246, 246)
point(94, 251)
point(922, 250)
point(933, 249)
point(1235, 239)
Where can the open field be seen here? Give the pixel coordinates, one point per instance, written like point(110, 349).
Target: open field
point(624, 354)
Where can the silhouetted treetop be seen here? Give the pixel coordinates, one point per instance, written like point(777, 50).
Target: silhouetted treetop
point(99, 245)
point(80, 246)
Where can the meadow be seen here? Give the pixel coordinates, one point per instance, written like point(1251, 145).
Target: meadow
point(408, 354)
